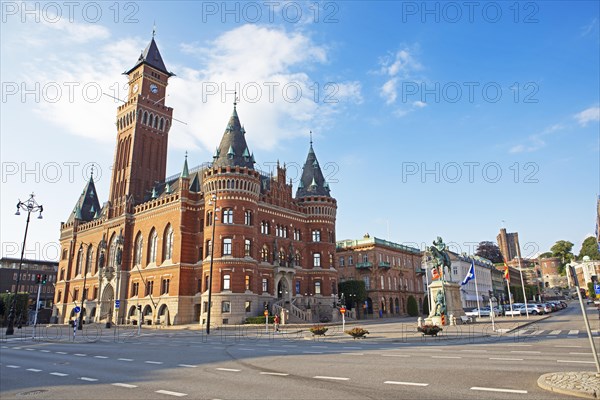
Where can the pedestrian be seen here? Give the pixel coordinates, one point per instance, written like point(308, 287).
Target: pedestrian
point(276, 323)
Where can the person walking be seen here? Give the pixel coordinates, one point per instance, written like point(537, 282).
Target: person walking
point(276, 323)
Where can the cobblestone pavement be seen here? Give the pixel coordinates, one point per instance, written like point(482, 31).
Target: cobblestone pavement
point(580, 384)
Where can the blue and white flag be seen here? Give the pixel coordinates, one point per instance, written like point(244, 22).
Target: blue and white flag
point(470, 274)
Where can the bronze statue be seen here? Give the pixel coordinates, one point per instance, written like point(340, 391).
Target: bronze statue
point(441, 260)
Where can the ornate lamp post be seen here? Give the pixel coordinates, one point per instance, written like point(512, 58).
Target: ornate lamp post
point(30, 205)
point(213, 202)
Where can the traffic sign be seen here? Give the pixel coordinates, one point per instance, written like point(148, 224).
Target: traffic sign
point(117, 303)
point(597, 288)
point(77, 309)
point(343, 310)
point(266, 313)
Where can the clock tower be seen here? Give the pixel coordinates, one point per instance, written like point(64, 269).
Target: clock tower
point(143, 124)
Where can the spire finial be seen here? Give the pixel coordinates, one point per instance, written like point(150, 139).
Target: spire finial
point(235, 99)
point(154, 29)
point(186, 154)
point(310, 138)
point(92, 172)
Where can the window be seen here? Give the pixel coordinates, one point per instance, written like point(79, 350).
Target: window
point(264, 254)
point(76, 295)
point(152, 247)
point(88, 260)
point(248, 217)
point(296, 234)
point(341, 261)
point(350, 260)
point(382, 283)
point(227, 216)
point(139, 241)
point(209, 218)
point(454, 270)
point(247, 247)
point(316, 235)
point(164, 289)
point(168, 244)
point(317, 259)
point(226, 282)
point(208, 247)
point(79, 261)
point(135, 289)
point(317, 287)
point(247, 282)
point(367, 282)
point(297, 259)
point(226, 306)
point(248, 306)
point(149, 288)
point(297, 287)
point(95, 292)
point(58, 298)
point(227, 246)
point(265, 285)
point(64, 254)
point(199, 286)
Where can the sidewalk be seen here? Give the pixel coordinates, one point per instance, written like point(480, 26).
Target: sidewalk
point(581, 384)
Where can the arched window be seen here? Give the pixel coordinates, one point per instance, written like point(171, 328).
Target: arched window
point(227, 216)
point(317, 287)
point(281, 256)
point(79, 261)
point(317, 259)
point(139, 242)
point(264, 254)
point(151, 119)
point(152, 242)
point(168, 243)
point(144, 118)
point(88, 259)
point(161, 124)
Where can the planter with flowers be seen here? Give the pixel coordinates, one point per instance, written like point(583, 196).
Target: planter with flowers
point(358, 333)
point(431, 330)
point(318, 330)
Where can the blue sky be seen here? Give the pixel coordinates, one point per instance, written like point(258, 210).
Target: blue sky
point(428, 118)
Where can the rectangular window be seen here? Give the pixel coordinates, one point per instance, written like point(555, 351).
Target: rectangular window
point(382, 283)
point(248, 217)
point(228, 216)
point(341, 261)
point(247, 247)
point(247, 282)
point(367, 282)
point(199, 286)
point(350, 260)
point(365, 258)
point(317, 259)
point(208, 247)
point(297, 287)
point(227, 246)
point(209, 218)
point(316, 235)
point(265, 285)
point(317, 287)
point(76, 295)
point(226, 282)
point(226, 307)
point(248, 306)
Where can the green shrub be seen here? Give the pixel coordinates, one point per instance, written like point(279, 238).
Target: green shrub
point(411, 306)
point(258, 320)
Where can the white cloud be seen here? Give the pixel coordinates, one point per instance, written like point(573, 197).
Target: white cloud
point(397, 67)
point(589, 28)
point(588, 115)
point(536, 141)
point(419, 104)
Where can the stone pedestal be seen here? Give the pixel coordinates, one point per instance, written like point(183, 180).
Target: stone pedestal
point(451, 293)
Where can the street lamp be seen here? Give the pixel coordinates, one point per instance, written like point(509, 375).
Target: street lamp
point(83, 291)
point(213, 202)
point(30, 205)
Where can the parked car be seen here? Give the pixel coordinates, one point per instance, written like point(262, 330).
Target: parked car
point(498, 311)
point(533, 309)
point(483, 311)
point(515, 312)
point(547, 307)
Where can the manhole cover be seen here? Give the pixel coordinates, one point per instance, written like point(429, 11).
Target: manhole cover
point(32, 393)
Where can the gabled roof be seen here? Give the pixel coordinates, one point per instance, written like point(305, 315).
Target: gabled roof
point(312, 182)
point(88, 206)
point(151, 56)
point(233, 150)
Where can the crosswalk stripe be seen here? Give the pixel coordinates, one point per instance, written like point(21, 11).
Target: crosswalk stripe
point(555, 332)
point(574, 332)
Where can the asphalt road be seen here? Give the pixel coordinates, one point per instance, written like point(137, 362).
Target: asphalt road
point(166, 364)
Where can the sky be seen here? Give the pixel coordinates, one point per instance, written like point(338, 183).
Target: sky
point(449, 119)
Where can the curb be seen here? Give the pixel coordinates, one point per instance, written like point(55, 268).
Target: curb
point(542, 383)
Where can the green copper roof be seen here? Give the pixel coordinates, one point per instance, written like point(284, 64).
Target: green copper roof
point(232, 149)
point(312, 182)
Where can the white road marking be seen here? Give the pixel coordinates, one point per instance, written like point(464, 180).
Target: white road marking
point(352, 348)
point(406, 383)
point(153, 362)
point(445, 357)
point(320, 347)
point(13, 366)
point(335, 378)
point(58, 374)
point(5, 347)
point(274, 373)
point(45, 351)
point(30, 349)
point(535, 333)
point(80, 355)
point(353, 354)
point(125, 385)
point(17, 348)
point(246, 349)
point(85, 378)
point(570, 347)
point(573, 361)
point(312, 352)
point(100, 357)
point(574, 332)
point(555, 332)
point(582, 354)
point(520, 345)
point(187, 365)
point(277, 351)
point(506, 359)
point(124, 359)
point(486, 389)
point(228, 369)
point(395, 355)
point(60, 352)
point(289, 345)
point(34, 370)
point(168, 392)
point(476, 351)
point(525, 351)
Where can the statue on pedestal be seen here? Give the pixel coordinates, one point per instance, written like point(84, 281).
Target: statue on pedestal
point(441, 260)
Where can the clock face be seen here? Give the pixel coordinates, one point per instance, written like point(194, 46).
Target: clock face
point(153, 88)
point(135, 88)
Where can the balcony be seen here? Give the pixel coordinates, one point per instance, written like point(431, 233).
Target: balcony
point(383, 264)
point(419, 271)
point(363, 265)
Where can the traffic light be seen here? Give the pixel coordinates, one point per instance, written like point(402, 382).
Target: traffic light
point(44, 279)
point(38, 278)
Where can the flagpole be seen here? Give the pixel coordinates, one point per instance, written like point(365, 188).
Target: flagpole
point(522, 284)
point(509, 298)
point(476, 290)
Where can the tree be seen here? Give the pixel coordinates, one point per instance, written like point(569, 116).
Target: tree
point(547, 254)
point(562, 249)
point(591, 291)
point(354, 293)
point(426, 305)
point(489, 250)
point(589, 248)
point(411, 306)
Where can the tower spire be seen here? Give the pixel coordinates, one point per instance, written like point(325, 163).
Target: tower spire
point(154, 29)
